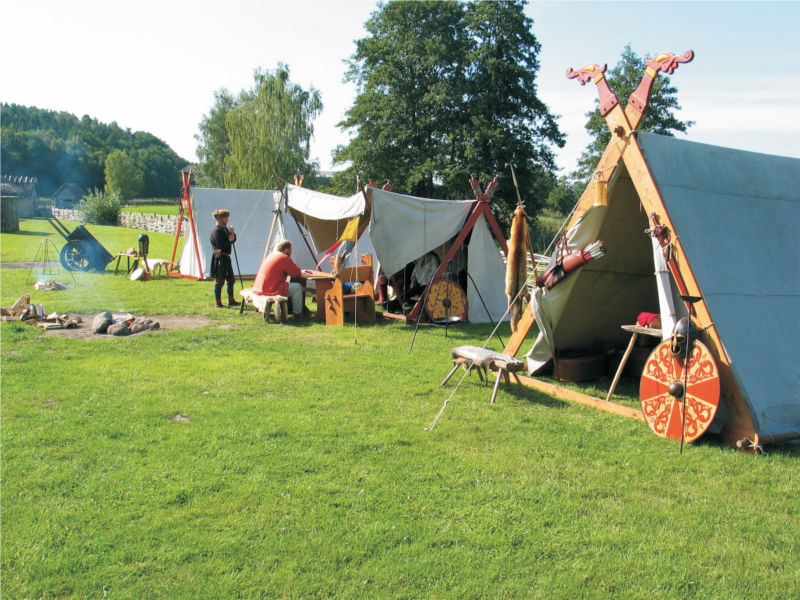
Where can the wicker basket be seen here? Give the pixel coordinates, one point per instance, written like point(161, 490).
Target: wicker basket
point(636, 362)
point(580, 365)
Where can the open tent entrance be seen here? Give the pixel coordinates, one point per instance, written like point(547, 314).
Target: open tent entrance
point(405, 228)
point(324, 217)
point(586, 311)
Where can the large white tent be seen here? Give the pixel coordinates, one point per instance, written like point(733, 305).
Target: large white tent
point(253, 215)
point(403, 228)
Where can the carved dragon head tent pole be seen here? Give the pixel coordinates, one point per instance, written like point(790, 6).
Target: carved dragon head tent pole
point(679, 388)
point(691, 378)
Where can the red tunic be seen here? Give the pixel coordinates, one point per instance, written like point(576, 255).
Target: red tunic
point(272, 274)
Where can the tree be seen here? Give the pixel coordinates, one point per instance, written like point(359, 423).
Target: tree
point(564, 196)
point(265, 129)
point(58, 147)
point(123, 176)
point(659, 117)
point(213, 142)
point(447, 89)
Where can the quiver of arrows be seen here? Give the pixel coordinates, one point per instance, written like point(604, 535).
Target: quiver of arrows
point(570, 262)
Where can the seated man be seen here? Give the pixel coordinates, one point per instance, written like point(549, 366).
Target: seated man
point(272, 276)
point(425, 268)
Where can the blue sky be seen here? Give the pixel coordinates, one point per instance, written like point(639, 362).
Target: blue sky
point(154, 66)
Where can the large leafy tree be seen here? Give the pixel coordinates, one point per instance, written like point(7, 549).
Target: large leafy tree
point(213, 141)
point(659, 117)
point(265, 129)
point(447, 89)
point(123, 175)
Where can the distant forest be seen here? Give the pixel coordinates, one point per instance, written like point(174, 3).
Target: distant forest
point(58, 147)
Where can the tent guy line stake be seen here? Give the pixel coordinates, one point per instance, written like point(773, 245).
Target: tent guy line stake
point(450, 397)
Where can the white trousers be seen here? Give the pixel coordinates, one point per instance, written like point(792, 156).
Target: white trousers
point(296, 296)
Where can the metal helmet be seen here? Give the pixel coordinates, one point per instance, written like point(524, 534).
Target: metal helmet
point(683, 337)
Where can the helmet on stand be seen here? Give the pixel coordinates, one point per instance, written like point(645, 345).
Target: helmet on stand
point(683, 337)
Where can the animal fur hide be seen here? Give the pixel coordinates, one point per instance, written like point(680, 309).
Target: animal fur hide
point(517, 267)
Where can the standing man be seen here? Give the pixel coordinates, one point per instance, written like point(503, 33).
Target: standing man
point(222, 239)
point(272, 276)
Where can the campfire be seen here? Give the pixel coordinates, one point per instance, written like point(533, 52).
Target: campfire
point(103, 323)
point(122, 324)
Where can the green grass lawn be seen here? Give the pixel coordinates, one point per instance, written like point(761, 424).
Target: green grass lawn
point(251, 460)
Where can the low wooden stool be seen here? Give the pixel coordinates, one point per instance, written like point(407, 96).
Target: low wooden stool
point(485, 360)
point(279, 305)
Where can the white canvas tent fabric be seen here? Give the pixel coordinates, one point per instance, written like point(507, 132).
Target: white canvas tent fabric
point(403, 228)
point(735, 214)
point(251, 216)
point(325, 216)
point(486, 268)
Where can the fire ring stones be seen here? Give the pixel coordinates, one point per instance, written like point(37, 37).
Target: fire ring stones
point(104, 322)
point(101, 322)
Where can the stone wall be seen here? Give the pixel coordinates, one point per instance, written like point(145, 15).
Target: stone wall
point(156, 223)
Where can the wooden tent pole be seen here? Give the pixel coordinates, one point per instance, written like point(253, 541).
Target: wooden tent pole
point(300, 229)
point(185, 180)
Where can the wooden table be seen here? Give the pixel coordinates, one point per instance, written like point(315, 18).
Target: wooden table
point(635, 330)
point(129, 256)
point(324, 282)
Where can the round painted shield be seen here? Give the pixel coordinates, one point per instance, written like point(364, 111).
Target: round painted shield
point(664, 399)
point(445, 300)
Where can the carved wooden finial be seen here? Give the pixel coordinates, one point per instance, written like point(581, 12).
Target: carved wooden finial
point(589, 72)
point(608, 99)
point(666, 62)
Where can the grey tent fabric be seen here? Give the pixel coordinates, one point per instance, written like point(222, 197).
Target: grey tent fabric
point(736, 214)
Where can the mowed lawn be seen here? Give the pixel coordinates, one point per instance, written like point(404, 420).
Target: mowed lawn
point(251, 460)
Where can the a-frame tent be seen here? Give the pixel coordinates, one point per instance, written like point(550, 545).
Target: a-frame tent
point(728, 239)
point(253, 213)
point(404, 228)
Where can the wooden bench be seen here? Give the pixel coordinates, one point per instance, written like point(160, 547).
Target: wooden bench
point(278, 305)
point(360, 302)
point(160, 266)
point(485, 360)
